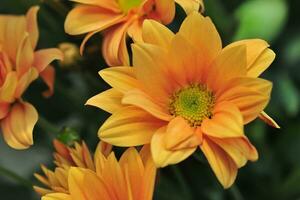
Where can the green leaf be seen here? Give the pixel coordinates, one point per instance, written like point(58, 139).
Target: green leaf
point(261, 19)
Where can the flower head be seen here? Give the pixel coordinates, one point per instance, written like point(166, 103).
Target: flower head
point(120, 18)
point(185, 92)
point(20, 64)
point(79, 176)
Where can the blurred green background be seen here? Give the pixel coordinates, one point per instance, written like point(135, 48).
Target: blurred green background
point(276, 175)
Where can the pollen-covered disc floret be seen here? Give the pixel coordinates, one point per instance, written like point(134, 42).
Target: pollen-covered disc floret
point(194, 103)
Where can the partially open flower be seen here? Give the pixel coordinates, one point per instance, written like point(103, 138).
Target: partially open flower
point(20, 64)
point(185, 92)
point(120, 18)
point(79, 176)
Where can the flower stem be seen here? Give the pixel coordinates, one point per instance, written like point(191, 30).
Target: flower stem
point(235, 192)
point(48, 126)
point(12, 175)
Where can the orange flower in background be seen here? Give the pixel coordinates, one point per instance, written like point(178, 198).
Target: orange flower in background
point(19, 66)
point(185, 91)
point(119, 18)
point(78, 176)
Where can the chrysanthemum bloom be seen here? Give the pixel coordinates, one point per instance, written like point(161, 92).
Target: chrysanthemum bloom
point(80, 177)
point(120, 18)
point(185, 91)
point(20, 64)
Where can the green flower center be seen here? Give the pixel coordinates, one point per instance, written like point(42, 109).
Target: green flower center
point(194, 103)
point(127, 5)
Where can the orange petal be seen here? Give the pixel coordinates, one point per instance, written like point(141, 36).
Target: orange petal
point(48, 75)
point(18, 125)
point(266, 118)
point(165, 10)
point(121, 78)
point(239, 149)
point(32, 25)
point(230, 63)
point(226, 122)
point(4, 109)
point(83, 19)
point(151, 66)
point(191, 5)
point(259, 56)
point(114, 47)
point(155, 33)
point(107, 4)
point(204, 36)
point(163, 157)
point(140, 99)
point(24, 56)
point(180, 135)
point(42, 58)
point(223, 166)
point(109, 100)
point(129, 126)
point(25, 80)
point(7, 90)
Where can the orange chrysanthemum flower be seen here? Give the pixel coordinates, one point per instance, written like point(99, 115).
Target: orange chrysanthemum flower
point(78, 176)
point(19, 66)
point(185, 91)
point(119, 18)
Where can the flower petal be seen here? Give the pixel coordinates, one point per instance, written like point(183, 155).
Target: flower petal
point(239, 149)
point(259, 56)
point(109, 101)
point(18, 125)
point(24, 57)
point(163, 157)
point(32, 25)
point(83, 19)
point(140, 99)
point(121, 78)
point(156, 33)
point(191, 5)
point(204, 36)
point(107, 4)
point(129, 126)
point(266, 118)
point(42, 58)
point(48, 75)
point(57, 196)
point(223, 166)
point(165, 10)
point(179, 135)
point(4, 109)
point(226, 122)
point(7, 90)
point(25, 80)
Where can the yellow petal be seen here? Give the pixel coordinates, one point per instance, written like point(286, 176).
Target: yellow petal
point(129, 126)
point(180, 135)
point(4, 108)
point(121, 78)
point(25, 80)
point(239, 149)
point(83, 19)
point(156, 33)
point(140, 99)
point(24, 56)
point(8, 88)
point(107, 4)
point(191, 5)
point(165, 10)
point(266, 118)
point(57, 196)
point(18, 125)
point(226, 122)
point(204, 36)
point(42, 58)
point(32, 25)
point(163, 157)
point(109, 100)
point(223, 166)
point(259, 56)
